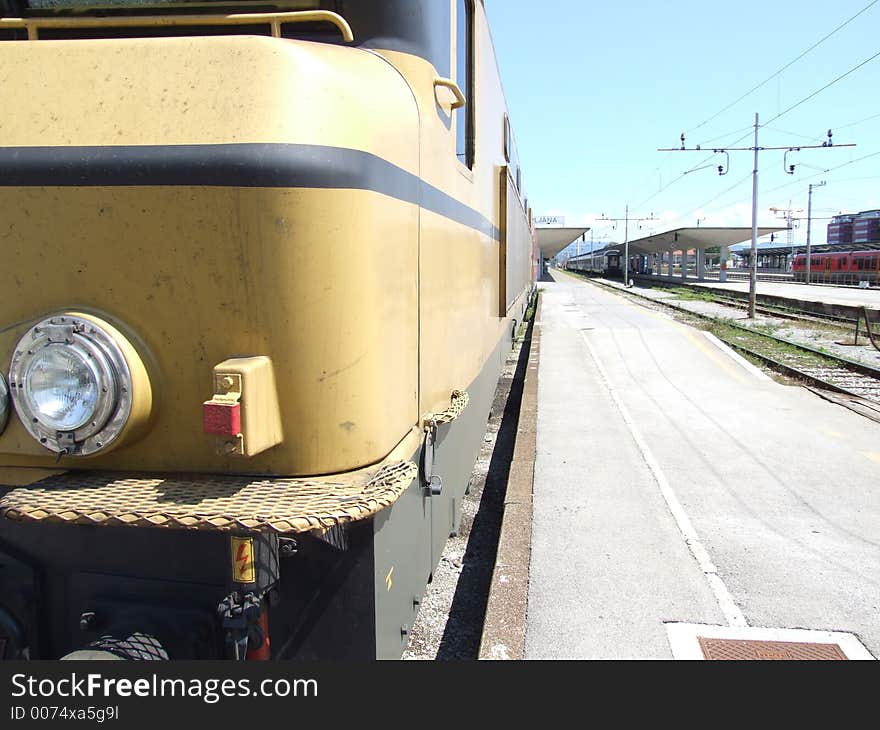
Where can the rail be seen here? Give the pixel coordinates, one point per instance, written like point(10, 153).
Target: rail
point(274, 20)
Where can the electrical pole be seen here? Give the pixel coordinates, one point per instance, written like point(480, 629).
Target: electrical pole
point(626, 219)
point(753, 274)
point(810, 220)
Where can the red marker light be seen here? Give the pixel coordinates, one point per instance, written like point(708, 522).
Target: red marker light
point(222, 419)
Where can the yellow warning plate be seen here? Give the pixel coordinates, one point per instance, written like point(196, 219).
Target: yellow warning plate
point(243, 560)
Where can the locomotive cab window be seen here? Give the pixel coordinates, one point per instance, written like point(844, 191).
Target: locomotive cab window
point(464, 76)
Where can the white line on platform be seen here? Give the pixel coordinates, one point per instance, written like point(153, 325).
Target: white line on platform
point(684, 642)
point(731, 611)
point(730, 352)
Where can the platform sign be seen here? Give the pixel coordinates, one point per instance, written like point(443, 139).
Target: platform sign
point(550, 220)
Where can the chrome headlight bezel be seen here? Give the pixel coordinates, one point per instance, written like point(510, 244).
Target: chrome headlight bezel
point(105, 359)
point(4, 403)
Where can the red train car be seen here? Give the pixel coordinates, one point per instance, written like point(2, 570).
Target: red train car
point(842, 267)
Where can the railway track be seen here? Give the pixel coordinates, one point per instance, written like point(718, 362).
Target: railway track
point(783, 311)
point(819, 369)
point(788, 312)
point(776, 310)
point(828, 372)
point(785, 279)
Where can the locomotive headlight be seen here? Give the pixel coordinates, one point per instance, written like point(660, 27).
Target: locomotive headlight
point(62, 387)
point(72, 381)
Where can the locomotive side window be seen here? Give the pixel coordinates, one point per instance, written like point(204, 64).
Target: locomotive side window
point(464, 74)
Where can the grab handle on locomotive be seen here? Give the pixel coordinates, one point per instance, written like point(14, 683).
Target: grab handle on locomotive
point(460, 101)
point(432, 483)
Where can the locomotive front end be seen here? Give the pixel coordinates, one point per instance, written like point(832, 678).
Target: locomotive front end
point(209, 338)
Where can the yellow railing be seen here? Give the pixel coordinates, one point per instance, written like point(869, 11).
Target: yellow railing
point(274, 20)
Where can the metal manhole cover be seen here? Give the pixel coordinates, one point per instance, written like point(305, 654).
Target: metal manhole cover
point(736, 649)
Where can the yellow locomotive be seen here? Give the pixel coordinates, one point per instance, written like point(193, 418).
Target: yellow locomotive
point(261, 263)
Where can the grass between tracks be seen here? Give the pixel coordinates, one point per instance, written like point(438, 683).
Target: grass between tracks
point(779, 351)
point(688, 294)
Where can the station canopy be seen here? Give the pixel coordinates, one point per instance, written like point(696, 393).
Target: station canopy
point(694, 238)
point(552, 240)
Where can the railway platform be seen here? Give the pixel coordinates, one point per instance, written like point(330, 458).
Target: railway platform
point(682, 497)
point(843, 296)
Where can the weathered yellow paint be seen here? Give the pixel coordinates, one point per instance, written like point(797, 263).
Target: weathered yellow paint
point(324, 282)
point(209, 90)
point(371, 310)
point(20, 477)
point(459, 266)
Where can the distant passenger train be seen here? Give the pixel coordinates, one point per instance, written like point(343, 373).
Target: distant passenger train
point(844, 267)
point(602, 263)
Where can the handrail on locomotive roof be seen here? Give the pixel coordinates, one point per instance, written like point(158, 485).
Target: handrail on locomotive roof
point(275, 20)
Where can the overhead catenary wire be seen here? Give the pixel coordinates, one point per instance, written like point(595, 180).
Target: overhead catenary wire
point(793, 134)
point(827, 86)
point(699, 166)
point(857, 179)
point(820, 137)
point(702, 163)
point(823, 173)
point(860, 121)
point(719, 195)
point(687, 172)
point(747, 130)
point(802, 180)
point(786, 66)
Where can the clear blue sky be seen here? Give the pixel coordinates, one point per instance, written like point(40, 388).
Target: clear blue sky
point(595, 88)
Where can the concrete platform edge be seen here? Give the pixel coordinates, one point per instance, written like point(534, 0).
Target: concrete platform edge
point(504, 628)
point(737, 358)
